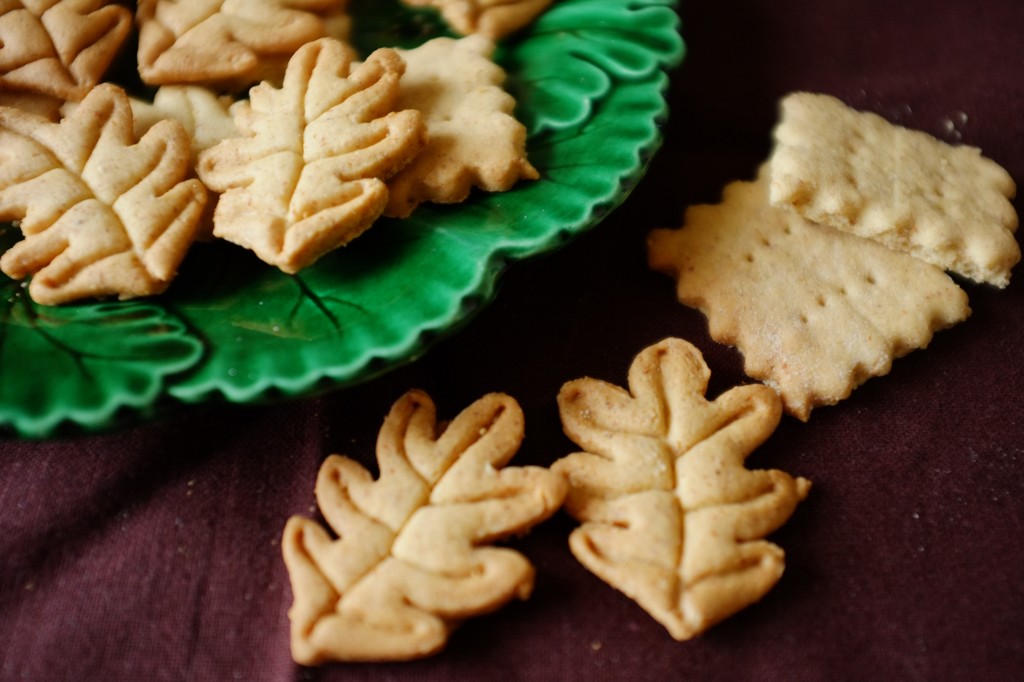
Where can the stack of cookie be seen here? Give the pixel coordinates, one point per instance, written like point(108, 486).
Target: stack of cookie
point(264, 131)
point(831, 263)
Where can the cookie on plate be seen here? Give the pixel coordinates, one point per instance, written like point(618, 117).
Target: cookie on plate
point(473, 137)
point(306, 172)
point(59, 49)
point(102, 212)
point(229, 45)
point(494, 19)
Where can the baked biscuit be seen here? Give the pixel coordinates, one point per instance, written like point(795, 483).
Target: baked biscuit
point(59, 48)
point(103, 213)
point(670, 515)
point(855, 171)
point(473, 138)
point(305, 174)
point(229, 44)
point(411, 557)
point(815, 311)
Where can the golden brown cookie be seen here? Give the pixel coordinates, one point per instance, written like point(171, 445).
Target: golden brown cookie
point(103, 213)
point(670, 515)
point(473, 138)
point(305, 174)
point(855, 171)
point(815, 311)
point(411, 556)
point(59, 48)
point(229, 44)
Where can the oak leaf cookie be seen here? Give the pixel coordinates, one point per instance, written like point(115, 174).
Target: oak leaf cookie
point(305, 174)
point(411, 557)
point(59, 48)
point(229, 44)
point(815, 311)
point(47, 106)
point(102, 212)
point(491, 18)
point(670, 515)
point(855, 171)
point(205, 115)
point(473, 138)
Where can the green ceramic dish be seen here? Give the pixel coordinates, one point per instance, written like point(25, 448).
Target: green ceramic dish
point(589, 77)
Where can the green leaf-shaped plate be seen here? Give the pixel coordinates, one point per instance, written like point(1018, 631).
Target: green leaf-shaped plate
point(590, 79)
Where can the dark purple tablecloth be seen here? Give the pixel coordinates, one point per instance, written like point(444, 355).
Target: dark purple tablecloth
point(153, 553)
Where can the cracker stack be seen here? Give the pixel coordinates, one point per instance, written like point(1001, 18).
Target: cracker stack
point(830, 264)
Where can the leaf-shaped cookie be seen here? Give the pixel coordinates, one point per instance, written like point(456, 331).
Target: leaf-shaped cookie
point(410, 559)
point(473, 139)
point(204, 114)
point(305, 175)
point(43, 105)
point(491, 18)
point(671, 517)
point(101, 212)
point(59, 48)
point(229, 43)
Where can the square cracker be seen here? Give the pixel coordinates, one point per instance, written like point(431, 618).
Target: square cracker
point(855, 171)
point(815, 311)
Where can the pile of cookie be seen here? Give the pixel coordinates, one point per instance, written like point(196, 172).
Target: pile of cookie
point(831, 263)
point(266, 129)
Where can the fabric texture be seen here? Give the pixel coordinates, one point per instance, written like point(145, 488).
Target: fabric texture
point(153, 552)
